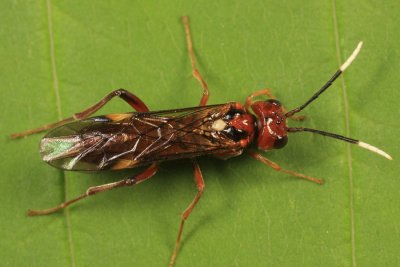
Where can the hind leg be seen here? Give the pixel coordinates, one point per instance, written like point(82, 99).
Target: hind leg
point(125, 95)
point(146, 174)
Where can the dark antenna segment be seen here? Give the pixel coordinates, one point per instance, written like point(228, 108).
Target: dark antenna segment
point(342, 68)
point(343, 138)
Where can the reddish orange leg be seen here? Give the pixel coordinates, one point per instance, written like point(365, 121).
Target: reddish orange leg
point(130, 98)
point(276, 167)
point(267, 92)
point(197, 172)
point(195, 72)
point(249, 99)
point(146, 174)
point(200, 186)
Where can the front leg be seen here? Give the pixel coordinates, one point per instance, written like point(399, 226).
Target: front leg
point(276, 167)
point(267, 92)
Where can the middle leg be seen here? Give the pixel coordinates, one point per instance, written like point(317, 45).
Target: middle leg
point(195, 72)
point(200, 187)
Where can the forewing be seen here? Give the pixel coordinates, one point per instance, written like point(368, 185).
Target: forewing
point(119, 141)
point(81, 145)
point(185, 133)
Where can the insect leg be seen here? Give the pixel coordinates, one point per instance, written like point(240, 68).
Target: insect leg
point(267, 92)
point(195, 72)
point(276, 167)
point(200, 186)
point(146, 174)
point(249, 99)
point(130, 98)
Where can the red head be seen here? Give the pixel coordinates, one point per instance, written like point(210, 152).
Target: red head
point(272, 129)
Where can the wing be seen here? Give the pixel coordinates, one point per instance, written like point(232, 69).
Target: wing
point(119, 141)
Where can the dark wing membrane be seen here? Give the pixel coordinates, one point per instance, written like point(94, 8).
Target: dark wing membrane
point(119, 141)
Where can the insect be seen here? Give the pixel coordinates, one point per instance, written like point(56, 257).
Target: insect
point(146, 138)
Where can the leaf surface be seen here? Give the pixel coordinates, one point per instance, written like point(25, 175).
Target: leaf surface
point(59, 57)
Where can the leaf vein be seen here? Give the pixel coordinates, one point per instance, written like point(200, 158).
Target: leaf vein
point(59, 115)
point(347, 131)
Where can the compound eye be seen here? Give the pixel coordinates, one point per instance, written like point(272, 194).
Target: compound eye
point(274, 102)
point(280, 142)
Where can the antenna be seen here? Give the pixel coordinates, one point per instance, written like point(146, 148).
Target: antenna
point(342, 68)
point(343, 138)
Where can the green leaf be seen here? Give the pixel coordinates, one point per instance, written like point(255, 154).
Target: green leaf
point(59, 57)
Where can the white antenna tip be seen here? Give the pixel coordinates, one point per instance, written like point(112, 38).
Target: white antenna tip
point(374, 149)
point(352, 57)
